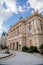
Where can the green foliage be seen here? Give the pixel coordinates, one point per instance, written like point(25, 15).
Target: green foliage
point(24, 49)
point(30, 51)
point(41, 51)
point(41, 46)
point(3, 47)
point(34, 49)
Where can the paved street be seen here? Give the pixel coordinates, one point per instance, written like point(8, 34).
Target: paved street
point(22, 58)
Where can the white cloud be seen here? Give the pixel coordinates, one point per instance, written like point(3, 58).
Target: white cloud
point(4, 14)
point(12, 6)
point(21, 9)
point(36, 4)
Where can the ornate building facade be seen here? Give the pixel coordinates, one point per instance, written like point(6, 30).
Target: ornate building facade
point(26, 32)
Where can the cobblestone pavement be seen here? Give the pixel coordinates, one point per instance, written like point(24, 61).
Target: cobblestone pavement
point(22, 58)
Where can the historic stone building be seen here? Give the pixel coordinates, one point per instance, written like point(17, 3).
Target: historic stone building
point(26, 32)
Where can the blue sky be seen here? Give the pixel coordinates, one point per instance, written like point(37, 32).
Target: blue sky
point(12, 10)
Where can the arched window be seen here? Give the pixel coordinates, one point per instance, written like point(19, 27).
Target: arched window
point(17, 45)
point(10, 45)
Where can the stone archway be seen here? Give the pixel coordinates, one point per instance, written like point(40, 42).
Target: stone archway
point(13, 45)
point(17, 46)
point(10, 45)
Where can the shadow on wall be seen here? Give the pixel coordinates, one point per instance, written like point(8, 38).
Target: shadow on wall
point(39, 64)
point(3, 64)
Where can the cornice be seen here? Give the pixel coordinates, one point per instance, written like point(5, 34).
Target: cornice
point(36, 14)
point(16, 24)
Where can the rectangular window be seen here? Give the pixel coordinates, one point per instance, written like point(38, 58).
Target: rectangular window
point(30, 29)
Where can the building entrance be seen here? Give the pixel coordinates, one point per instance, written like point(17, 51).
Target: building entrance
point(13, 45)
point(17, 45)
point(30, 43)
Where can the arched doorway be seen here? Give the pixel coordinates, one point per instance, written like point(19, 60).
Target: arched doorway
point(30, 43)
point(13, 45)
point(10, 45)
point(17, 45)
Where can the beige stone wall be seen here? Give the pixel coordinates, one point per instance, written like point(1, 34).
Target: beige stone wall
point(40, 39)
point(20, 39)
point(35, 36)
point(35, 41)
point(26, 31)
